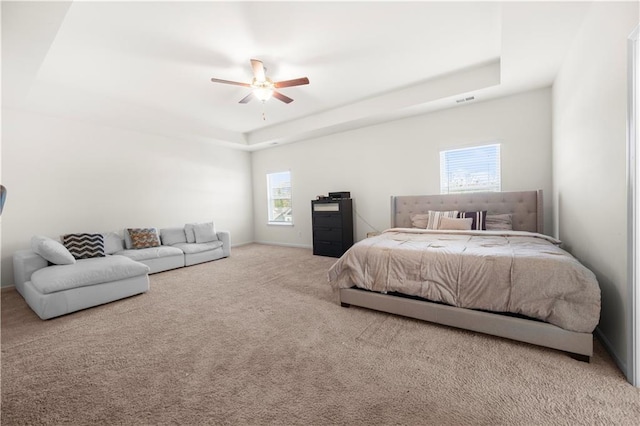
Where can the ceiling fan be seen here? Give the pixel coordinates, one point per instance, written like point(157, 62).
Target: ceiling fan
point(263, 87)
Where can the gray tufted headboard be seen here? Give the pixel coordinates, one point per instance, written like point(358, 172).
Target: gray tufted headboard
point(525, 206)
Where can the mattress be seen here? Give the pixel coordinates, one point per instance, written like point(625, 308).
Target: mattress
point(515, 272)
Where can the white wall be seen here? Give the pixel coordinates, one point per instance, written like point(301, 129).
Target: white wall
point(589, 154)
point(402, 158)
point(65, 176)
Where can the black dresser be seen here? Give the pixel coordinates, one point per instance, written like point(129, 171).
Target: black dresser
point(332, 222)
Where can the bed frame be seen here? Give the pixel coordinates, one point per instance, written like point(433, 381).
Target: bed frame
point(526, 208)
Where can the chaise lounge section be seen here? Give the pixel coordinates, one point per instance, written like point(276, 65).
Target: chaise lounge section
point(55, 290)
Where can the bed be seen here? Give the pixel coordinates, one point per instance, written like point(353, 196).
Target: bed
point(517, 284)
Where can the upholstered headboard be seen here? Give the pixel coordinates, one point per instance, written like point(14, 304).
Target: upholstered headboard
point(525, 206)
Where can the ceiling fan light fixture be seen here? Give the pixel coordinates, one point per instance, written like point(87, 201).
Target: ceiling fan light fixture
point(262, 87)
point(263, 93)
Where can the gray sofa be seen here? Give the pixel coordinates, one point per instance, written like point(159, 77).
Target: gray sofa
point(54, 283)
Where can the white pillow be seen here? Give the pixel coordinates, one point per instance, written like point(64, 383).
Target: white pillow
point(52, 250)
point(188, 231)
point(463, 224)
point(112, 243)
point(435, 216)
point(204, 232)
point(171, 236)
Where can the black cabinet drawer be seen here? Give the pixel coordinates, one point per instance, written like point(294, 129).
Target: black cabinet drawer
point(327, 220)
point(327, 234)
point(327, 248)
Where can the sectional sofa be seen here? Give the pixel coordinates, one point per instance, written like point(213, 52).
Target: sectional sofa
point(85, 270)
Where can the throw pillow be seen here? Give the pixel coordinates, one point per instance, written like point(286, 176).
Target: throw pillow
point(171, 236)
point(419, 220)
point(144, 237)
point(499, 222)
point(51, 250)
point(84, 246)
point(188, 230)
point(463, 224)
point(479, 219)
point(204, 232)
point(435, 216)
point(112, 243)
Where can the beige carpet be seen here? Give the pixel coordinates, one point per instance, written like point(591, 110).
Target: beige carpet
point(259, 338)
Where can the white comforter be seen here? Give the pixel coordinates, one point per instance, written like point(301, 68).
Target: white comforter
point(500, 271)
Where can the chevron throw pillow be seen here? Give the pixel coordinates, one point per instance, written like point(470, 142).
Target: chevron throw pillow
point(84, 246)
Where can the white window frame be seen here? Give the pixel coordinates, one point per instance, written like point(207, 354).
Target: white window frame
point(446, 177)
point(271, 199)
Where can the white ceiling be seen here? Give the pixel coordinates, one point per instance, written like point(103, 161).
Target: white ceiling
point(146, 66)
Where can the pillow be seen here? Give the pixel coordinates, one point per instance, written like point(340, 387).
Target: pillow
point(188, 230)
point(171, 236)
point(463, 224)
point(84, 246)
point(419, 220)
point(435, 216)
point(499, 222)
point(112, 243)
point(51, 250)
point(479, 219)
point(144, 237)
point(204, 232)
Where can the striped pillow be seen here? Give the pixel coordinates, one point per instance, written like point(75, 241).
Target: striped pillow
point(479, 219)
point(144, 237)
point(435, 216)
point(84, 246)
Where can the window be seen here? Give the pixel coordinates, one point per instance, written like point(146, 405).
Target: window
point(279, 195)
point(473, 169)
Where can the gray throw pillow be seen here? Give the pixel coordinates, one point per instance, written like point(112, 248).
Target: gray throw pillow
point(112, 243)
point(499, 222)
point(171, 236)
point(204, 232)
point(419, 220)
point(188, 231)
point(51, 250)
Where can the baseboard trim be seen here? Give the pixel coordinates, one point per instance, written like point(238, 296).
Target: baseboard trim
point(271, 243)
point(7, 288)
point(246, 243)
point(606, 343)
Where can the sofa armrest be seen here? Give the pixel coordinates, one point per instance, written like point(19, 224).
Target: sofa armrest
point(25, 263)
point(225, 237)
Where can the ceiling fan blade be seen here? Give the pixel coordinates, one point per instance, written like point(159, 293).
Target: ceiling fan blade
point(237, 83)
point(258, 70)
point(289, 83)
point(283, 98)
point(246, 99)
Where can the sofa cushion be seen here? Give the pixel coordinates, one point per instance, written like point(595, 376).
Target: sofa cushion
point(86, 272)
point(143, 237)
point(188, 230)
point(112, 243)
point(204, 232)
point(190, 248)
point(151, 253)
point(51, 250)
point(171, 236)
point(83, 245)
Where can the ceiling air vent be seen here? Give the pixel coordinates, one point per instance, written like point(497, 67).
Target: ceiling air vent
point(470, 98)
